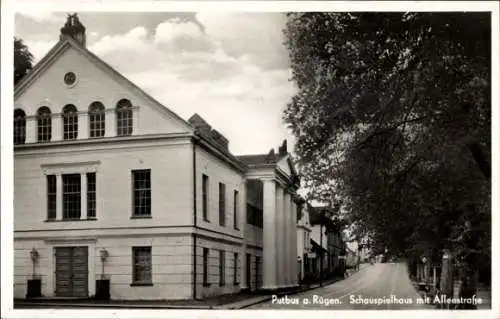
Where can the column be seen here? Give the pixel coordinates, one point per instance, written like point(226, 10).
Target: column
point(57, 127)
point(59, 197)
point(269, 235)
point(286, 270)
point(31, 129)
point(280, 239)
point(110, 129)
point(83, 126)
point(83, 192)
point(293, 241)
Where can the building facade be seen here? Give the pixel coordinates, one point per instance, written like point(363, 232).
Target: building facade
point(111, 188)
point(326, 233)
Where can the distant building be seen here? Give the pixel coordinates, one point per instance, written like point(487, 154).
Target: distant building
point(327, 240)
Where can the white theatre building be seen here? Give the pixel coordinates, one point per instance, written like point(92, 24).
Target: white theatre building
point(111, 186)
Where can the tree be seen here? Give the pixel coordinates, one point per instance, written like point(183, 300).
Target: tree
point(392, 118)
point(23, 60)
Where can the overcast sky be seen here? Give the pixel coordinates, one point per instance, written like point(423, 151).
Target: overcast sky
point(231, 68)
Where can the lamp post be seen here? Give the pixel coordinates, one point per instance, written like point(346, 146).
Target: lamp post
point(34, 259)
point(34, 285)
point(104, 255)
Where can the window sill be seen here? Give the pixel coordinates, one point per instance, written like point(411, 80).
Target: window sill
point(141, 217)
point(237, 228)
point(206, 220)
point(141, 284)
point(70, 220)
point(206, 284)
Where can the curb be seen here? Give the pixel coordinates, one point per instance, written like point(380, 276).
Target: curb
point(153, 306)
point(234, 306)
point(129, 306)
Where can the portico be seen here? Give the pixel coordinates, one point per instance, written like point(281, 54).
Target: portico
point(276, 177)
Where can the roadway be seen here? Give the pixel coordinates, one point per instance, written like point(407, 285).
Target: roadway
point(381, 286)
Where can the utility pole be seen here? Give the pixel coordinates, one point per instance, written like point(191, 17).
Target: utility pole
point(321, 254)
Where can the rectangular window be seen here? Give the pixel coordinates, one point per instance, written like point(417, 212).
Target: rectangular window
point(19, 127)
point(44, 122)
point(51, 196)
point(222, 204)
point(254, 216)
point(222, 268)
point(205, 266)
point(258, 272)
point(249, 270)
point(235, 208)
point(97, 122)
point(235, 270)
point(124, 116)
point(70, 124)
point(142, 266)
point(204, 194)
point(71, 196)
point(91, 195)
point(142, 192)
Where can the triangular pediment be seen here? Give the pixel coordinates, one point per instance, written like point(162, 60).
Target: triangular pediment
point(95, 81)
point(285, 164)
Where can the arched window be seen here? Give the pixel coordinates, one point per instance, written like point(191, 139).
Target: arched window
point(44, 123)
point(70, 122)
point(97, 119)
point(124, 118)
point(19, 126)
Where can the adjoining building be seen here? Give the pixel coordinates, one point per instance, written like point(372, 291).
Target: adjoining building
point(115, 195)
point(327, 243)
point(304, 248)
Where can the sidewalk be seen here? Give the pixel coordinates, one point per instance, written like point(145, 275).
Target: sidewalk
point(232, 301)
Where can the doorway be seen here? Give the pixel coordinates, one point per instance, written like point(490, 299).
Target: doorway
point(71, 271)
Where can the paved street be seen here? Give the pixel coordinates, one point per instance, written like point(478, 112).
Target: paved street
point(371, 283)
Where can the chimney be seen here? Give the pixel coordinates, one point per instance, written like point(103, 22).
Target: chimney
point(271, 157)
point(220, 139)
point(282, 150)
point(200, 125)
point(74, 28)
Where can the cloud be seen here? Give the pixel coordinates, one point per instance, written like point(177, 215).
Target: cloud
point(40, 16)
point(130, 41)
point(257, 35)
point(39, 48)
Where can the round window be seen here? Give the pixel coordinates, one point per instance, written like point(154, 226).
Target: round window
point(70, 78)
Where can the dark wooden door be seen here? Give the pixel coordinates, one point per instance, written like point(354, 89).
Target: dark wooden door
point(72, 271)
point(80, 272)
point(63, 271)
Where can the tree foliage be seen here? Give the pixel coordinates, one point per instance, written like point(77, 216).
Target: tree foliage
point(23, 60)
point(392, 120)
